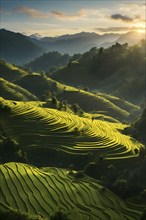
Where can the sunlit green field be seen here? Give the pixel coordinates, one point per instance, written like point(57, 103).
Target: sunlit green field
point(45, 128)
point(44, 191)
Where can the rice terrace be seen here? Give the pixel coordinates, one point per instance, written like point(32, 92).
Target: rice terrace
point(72, 110)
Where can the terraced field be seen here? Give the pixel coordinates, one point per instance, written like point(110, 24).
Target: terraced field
point(43, 191)
point(43, 128)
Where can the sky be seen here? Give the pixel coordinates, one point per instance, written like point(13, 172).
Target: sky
point(59, 17)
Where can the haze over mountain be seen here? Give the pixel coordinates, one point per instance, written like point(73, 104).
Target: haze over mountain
point(28, 48)
point(81, 42)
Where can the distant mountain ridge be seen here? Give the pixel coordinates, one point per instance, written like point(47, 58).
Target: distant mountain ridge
point(75, 43)
point(87, 39)
point(27, 48)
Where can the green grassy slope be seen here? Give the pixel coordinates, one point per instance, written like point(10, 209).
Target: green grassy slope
point(88, 101)
point(11, 91)
point(11, 72)
point(38, 128)
point(43, 191)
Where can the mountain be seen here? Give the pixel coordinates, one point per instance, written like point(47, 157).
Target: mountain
point(47, 61)
point(117, 70)
point(27, 48)
point(75, 43)
point(81, 42)
point(17, 48)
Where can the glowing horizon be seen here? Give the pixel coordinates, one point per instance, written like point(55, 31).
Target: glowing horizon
point(55, 18)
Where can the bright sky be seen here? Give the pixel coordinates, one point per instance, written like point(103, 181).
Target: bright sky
point(58, 17)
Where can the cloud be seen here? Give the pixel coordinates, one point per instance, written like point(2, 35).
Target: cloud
point(62, 15)
point(34, 13)
point(118, 29)
point(121, 17)
point(31, 12)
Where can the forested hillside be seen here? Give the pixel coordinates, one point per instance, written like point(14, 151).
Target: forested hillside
point(47, 61)
point(118, 70)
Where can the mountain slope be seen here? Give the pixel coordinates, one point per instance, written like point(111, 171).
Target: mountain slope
point(17, 48)
point(43, 191)
point(88, 101)
point(11, 72)
point(49, 130)
point(15, 92)
point(117, 70)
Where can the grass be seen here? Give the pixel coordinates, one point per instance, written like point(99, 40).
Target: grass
point(39, 192)
point(45, 128)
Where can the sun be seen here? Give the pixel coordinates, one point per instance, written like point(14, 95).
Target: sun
point(141, 31)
